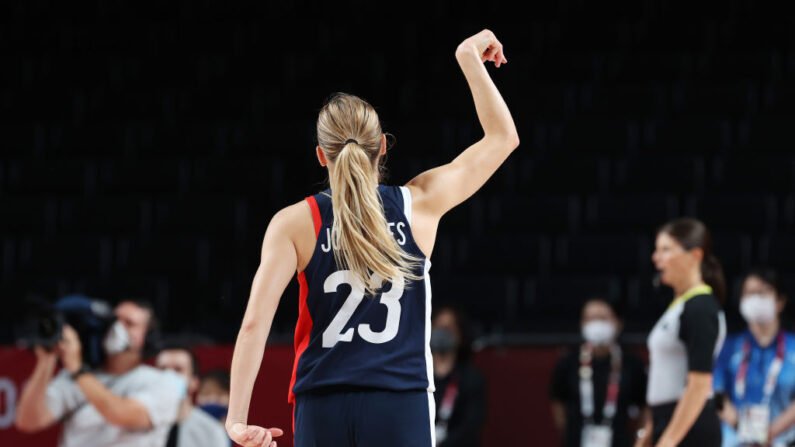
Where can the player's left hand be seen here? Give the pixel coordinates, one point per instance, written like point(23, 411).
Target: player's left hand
point(253, 435)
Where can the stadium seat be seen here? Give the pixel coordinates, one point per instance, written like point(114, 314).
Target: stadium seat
point(168, 177)
point(118, 216)
point(535, 213)
point(604, 136)
point(670, 174)
point(771, 135)
point(603, 253)
point(777, 251)
point(637, 212)
point(490, 300)
point(629, 99)
point(718, 98)
point(25, 215)
point(734, 250)
point(735, 212)
point(686, 136)
point(553, 303)
point(752, 174)
point(564, 175)
point(512, 253)
point(44, 176)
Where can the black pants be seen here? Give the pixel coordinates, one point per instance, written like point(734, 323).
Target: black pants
point(705, 432)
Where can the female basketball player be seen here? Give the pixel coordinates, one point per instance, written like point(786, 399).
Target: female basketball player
point(686, 340)
point(362, 374)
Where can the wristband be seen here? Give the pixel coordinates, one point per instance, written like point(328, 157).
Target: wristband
point(83, 369)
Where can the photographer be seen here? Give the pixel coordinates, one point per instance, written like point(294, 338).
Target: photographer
point(122, 403)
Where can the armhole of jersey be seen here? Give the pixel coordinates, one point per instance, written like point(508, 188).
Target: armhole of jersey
point(406, 202)
point(316, 219)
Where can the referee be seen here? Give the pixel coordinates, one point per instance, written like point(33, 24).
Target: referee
point(686, 339)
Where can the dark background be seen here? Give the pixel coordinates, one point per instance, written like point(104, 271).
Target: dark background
point(146, 145)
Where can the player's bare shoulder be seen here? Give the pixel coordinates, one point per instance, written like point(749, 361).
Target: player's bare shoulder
point(295, 223)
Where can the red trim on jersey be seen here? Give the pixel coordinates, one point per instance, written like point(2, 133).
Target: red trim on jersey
point(316, 219)
point(302, 330)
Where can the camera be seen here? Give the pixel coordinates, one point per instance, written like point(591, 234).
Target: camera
point(91, 318)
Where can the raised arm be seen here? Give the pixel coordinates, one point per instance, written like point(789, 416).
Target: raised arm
point(438, 190)
point(277, 265)
point(32, 412)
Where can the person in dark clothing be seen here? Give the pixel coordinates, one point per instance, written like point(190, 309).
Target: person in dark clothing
point(598, 389)
point(460, 388)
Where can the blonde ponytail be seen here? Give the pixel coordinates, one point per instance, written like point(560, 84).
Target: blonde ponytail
point(360, 236)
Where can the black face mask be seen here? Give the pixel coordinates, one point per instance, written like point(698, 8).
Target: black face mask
point(442, 341)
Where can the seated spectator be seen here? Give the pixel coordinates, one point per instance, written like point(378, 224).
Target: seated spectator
point(213, 395)
point(755, 372)
point(598, 388)
point(194, 427)
point(460, 387)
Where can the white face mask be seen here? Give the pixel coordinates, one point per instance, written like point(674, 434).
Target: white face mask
point(117, 340)
point(758, 308)
point(599, 332)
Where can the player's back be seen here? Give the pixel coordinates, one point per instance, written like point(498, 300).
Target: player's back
point(345, 337)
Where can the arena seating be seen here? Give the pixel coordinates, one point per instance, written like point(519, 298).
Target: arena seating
point(159, 176)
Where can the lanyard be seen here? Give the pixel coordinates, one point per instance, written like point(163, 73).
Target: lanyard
point(772, 372)
point(693, 291)
point(448, 401)
point(586, 384)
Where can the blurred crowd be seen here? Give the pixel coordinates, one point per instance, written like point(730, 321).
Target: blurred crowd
point(753, 376)
point(116, 398)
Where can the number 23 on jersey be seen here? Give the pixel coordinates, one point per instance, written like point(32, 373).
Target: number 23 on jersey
point(335, 332)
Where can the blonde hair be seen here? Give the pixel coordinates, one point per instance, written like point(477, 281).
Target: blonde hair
point(360, 237)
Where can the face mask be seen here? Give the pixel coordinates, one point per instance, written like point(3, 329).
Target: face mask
point(117, 339)
point(599, 332)
point(215, 410)
point(442, 341)
point(758, 308)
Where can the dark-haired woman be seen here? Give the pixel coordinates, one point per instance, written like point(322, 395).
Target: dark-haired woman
point(755, 371)
point(686, 340)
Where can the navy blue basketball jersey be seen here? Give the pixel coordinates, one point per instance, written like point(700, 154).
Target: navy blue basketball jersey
point(346, 337)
